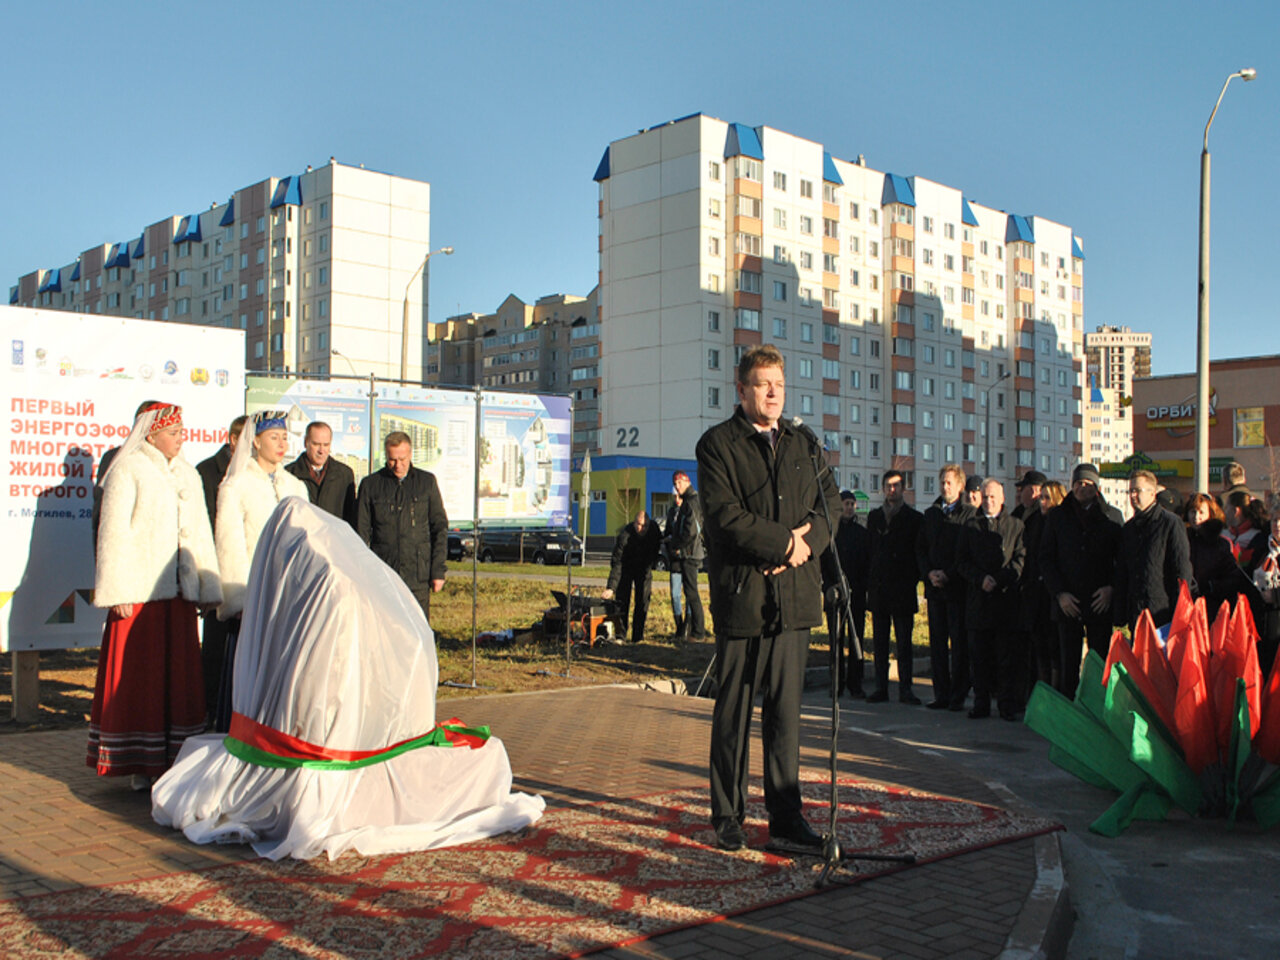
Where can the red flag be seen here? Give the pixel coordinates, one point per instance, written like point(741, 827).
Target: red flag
point(1121, 653)
point(1183, 613)
point(1242, 658)
point(1267, 738)
point(1222, 679)
point(1193, 714)
point(1146, 647)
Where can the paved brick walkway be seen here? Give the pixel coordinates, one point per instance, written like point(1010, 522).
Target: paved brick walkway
point(61, 826)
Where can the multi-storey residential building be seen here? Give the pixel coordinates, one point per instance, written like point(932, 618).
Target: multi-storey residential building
point(904, 310)
point(549, 346)
point(1114, 356)
point(1108, 439)
point(309, 266)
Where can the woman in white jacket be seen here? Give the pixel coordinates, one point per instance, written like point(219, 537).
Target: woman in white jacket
point(255, 483)
point(156, 564)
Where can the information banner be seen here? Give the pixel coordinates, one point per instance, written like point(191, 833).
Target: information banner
point(71, 387)
point(441, 425)
point(342, 404)
point(525, 445)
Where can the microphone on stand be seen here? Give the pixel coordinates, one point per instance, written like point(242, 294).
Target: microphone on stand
point(807, 432)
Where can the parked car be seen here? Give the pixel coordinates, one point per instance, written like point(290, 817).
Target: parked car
point(518, 545)
point(461, 544)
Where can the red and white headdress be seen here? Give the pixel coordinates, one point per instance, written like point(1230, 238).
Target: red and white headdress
point(166, 415)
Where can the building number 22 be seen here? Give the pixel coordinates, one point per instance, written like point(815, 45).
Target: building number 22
point(628, 437)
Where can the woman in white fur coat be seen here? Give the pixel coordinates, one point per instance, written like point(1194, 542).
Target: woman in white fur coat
point(156, 564)
point(255, 483)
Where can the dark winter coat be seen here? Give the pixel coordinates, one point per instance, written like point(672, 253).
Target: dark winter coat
point(991, 548)
point(1033, 599)
point(1079, 551)
point(684, 533)
point(211, 473)
point(403, 522)
point(1212, 564)
point(336, 494)
point(753, 496)
point(894, 571)
point(853, 553)
point(634, 552)
point(1155, 556)
point(936, 548)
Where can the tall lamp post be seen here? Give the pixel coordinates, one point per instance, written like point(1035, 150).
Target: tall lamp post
point(404, 317)
point(1202, 308)
point(987, 394)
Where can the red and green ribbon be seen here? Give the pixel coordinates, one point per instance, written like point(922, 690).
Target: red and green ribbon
point(264, 746)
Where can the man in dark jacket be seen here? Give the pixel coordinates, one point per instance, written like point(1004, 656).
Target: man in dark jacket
point(990, 558)
point(635, 551)
point(765, 530)
point(1155, 554)
point(1033, 603)
point(851, 556)
point(1078, 554)
point(944, 590)
point(213, 632)
point(684, 549)
point(891, 585)
point(331, 485)
point(400, 516)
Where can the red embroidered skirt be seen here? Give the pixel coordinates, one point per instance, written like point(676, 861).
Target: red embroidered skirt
point(149, 694)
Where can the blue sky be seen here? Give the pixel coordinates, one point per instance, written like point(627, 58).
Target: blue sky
point(1086, 113)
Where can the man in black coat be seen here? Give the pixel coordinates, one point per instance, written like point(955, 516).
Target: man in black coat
point(1078, 554)
point(214, 632)
point(990, 558)
point(1155, 552)
point(400, 517)
point(685, 552)
point(331, 484)
point(852, 555)
point(635, 551)
point(893, 530)
point(1033, 603)
point(944, 590)
point(765, 530)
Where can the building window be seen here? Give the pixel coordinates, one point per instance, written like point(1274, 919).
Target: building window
point(713, 320)
point(779, 328)
point(830, 369)
point(855, 379)
point(779, 290)
point(779, 218)
point(713, 170)
point(806, 226)
point(806, 332)
point(806, 368)
point(746, 319)
point(806, 189)
point(713, 396)
point(713, 359)
point(713, 208)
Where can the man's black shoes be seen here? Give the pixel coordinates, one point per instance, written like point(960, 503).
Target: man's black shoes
point(909, 698)
point(878, 696)
point(729, 835)
point(937, 704)
point(796, 834)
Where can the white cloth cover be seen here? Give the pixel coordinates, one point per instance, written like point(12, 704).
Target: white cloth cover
point(334, 650)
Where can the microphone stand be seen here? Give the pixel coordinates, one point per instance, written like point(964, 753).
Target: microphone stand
point(831, 852)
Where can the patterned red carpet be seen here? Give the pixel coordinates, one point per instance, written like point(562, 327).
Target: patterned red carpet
point(581, 879)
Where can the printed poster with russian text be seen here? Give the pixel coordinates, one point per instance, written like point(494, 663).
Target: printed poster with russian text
point(342, 404)
point(525, 445)
point(441, 425)
point(72, 384)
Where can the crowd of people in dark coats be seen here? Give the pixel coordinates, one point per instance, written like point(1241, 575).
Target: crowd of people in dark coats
point(1015, 595)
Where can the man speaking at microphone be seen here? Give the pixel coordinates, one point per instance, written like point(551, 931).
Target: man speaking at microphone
point(765, 529)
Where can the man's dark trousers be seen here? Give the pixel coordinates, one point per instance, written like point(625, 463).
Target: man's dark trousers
point(849, 669)
point(644, 588)
point(1070, 634)
point(902, 623)
point(775, 667)
point(695, 623)
point(948, 650)
point(992, 654)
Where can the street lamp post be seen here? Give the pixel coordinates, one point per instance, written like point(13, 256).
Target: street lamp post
point(1202, 308)
point(404, 317)
point(987, 399)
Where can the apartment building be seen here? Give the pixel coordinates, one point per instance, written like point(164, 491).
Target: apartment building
point(549, 346)
point(1108, 439)
point(910, 315)
point(1114, 356)
point(315, 268)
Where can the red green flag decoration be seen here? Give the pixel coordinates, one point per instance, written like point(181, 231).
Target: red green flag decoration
point(1121, 653)
point(1181, 627)
point(1147, 650)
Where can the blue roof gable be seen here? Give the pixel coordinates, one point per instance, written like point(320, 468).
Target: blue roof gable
point(288, 190)
point(52, 282)
point(897, 190)
point(602, 169)
point(140, 248)
point(829, 172)
point(1019, 228)
point(228, 215)
point(13, 295)
point(75, 274)
point(742, 141)
point(966, 214)
point(1076, 252)
point(188, 229)
point(118, 257)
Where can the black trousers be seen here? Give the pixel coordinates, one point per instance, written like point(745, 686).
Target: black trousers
point(849, 667)
point(1070, 633)
point(901, 622)
point(773, 667)
point(992, 654)
point(948, 650)
point(694, 619)
point(422, 593)
point(213, 650)
point(643, 583)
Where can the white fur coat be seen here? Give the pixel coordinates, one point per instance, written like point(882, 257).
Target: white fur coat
point(154, 537)
point(245, 502)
